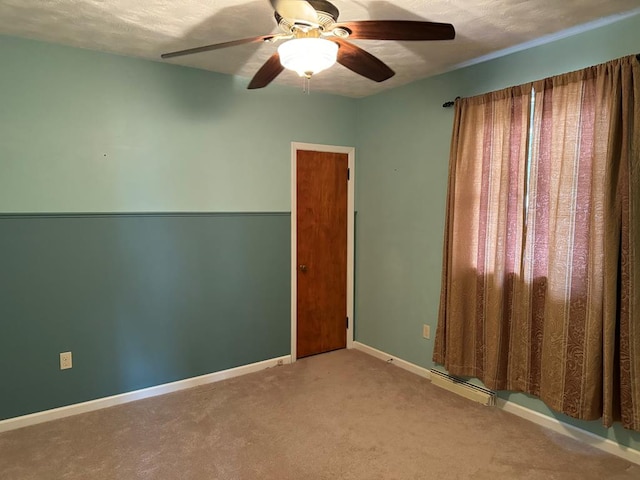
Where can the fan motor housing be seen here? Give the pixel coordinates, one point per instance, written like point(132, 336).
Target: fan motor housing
point(322, 6)
point(327, 14)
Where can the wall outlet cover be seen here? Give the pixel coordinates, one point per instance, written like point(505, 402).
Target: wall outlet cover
point(426, 331)
point(66, 361)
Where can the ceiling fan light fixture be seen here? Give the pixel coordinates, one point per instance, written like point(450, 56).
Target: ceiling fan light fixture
point(313, 38)
point(308, 56)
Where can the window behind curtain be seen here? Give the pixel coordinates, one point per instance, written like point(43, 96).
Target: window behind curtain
point(540, 265)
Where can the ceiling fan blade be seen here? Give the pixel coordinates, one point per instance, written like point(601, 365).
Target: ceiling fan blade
point(267, 73)
point(398, 30)
point(217, 46)
point(295, 10)
point(362, 62)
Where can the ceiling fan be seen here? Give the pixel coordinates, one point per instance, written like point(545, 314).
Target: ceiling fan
point(314, 40)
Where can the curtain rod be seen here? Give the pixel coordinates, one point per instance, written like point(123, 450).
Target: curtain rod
point(450, 103)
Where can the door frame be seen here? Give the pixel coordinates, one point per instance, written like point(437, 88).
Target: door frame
point(350, 151)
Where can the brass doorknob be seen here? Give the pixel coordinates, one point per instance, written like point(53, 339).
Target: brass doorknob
point(303, 268)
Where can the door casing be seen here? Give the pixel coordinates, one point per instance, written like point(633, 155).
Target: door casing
point(350, 151)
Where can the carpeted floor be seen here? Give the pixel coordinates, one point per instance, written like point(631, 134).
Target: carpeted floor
point(342, 415)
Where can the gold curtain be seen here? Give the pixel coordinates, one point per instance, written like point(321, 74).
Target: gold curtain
point(622, 245)
point(484, 233)
point(544, 299)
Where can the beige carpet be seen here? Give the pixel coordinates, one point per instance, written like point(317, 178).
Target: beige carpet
point(342, 415)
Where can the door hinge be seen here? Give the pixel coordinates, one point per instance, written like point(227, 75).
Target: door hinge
point(348, 174)
point(347, 323)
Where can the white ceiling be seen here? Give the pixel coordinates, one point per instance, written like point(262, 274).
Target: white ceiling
point(147, 28)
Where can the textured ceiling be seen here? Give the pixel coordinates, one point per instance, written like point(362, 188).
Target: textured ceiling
point(147, 28)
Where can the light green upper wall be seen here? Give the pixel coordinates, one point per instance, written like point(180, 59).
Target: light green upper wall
point(403, 142)
point(82, 131)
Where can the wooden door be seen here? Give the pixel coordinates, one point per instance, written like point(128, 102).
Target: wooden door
point(321, 251)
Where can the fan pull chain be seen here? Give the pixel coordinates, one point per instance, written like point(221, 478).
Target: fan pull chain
point(306, 85)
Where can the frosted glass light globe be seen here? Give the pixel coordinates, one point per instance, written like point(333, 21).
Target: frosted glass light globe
point(308, 56)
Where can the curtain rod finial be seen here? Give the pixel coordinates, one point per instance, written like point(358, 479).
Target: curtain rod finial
point(449, 103)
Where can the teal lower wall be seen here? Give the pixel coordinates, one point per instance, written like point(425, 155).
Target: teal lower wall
point(140, 300)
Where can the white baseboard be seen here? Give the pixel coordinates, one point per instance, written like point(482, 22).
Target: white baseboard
point(603, 444)
point(75, 409)
point(411, 367)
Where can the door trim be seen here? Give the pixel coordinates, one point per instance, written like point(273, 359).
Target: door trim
point(350, 151)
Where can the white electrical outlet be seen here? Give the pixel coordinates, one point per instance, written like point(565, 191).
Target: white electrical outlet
point(65, 361)
point(426, 331)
